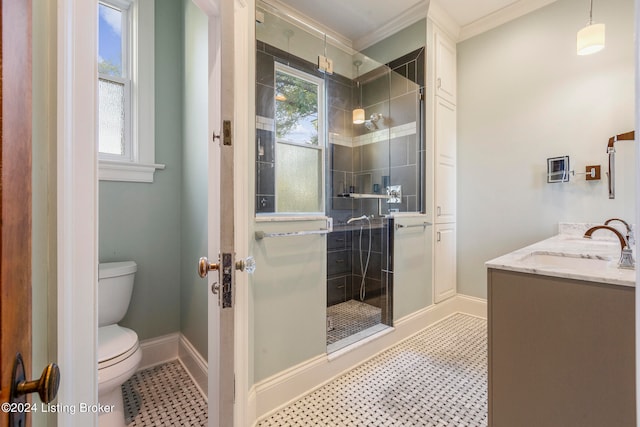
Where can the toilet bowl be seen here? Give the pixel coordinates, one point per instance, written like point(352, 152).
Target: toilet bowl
point(119, 353)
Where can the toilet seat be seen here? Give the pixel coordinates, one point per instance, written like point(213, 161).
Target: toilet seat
point(115, 344)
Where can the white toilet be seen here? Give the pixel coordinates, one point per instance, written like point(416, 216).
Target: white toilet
point(119, 352)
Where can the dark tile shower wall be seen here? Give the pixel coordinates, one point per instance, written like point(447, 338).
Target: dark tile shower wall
point(339, 106)
point(392, 90)
point(344, 273)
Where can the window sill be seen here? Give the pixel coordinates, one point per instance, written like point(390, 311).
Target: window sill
point(109, 170)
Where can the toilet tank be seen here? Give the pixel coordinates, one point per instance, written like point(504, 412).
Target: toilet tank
point(115, 285)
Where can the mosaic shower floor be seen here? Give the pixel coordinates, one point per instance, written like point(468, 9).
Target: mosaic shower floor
point(351, 317)
point(435, 378)
point(163, 395)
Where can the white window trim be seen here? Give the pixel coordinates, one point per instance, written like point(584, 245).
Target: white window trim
point(142, 166)
point(321, 138)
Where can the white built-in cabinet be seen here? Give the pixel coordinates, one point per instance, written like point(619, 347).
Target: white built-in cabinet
point(444, 134)
point(445, 266)
point(445, 66)
point(445, 159)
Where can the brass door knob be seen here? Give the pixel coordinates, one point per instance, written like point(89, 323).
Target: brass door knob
point(46, 386)
point(204, 267)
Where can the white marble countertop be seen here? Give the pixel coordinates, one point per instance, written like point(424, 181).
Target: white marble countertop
point(569, 255)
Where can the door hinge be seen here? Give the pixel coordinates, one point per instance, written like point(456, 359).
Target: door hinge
point(234, 388)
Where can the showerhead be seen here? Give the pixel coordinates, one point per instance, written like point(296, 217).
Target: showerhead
point(360, 218)
point(372, 123)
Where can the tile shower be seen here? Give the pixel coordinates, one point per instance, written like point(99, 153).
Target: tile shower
point(361, 159)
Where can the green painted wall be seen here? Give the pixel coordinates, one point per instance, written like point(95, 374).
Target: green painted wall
point(290, 297)
point(141, 222)
point(524, 95)
point(193, 292)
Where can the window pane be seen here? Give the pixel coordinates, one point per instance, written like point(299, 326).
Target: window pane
point(298, 178)
point(296, 109)
point(109, 41)
point(111, 115)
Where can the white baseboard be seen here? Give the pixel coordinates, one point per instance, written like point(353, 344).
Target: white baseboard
point(472, 306)
point(277, 391)
point(167, 348)
point(156, 351)
point(195, 365)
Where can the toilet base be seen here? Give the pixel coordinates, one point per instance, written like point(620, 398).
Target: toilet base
point(116, 417)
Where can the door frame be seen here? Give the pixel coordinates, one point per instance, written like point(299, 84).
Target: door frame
point(77, 213)
point(77, 205)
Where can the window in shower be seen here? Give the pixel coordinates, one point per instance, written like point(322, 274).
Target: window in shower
point(299, 141)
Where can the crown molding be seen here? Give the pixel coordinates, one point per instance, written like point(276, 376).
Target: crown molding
point(306, 23)
point(502, 16)
point(443, 20)
point(408, 17)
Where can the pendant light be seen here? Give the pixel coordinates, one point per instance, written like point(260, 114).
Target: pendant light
point(591, 38)
point(358, 113)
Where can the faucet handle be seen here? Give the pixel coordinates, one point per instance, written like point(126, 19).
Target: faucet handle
point(626, 259)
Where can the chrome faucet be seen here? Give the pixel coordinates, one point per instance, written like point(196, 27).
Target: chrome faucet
point(630, 239)
point(626, 254)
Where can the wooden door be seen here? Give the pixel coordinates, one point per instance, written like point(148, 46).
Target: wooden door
point(15, 192)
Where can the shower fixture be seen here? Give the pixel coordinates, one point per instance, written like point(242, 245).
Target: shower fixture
point(371, 124)
point(364, 266)
point(360, 218)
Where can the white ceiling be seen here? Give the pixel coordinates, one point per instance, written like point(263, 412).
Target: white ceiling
point(354, 19)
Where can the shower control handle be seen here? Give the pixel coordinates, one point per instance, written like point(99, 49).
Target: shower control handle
point(204, 267)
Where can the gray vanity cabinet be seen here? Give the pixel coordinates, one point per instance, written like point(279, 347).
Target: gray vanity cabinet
point(561, 352)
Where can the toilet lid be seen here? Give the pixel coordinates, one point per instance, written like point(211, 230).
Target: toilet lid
point(115, 343)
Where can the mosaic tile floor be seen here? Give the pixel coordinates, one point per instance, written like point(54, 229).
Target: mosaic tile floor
point(163, 395)
point(351, 317)
point(436, 378)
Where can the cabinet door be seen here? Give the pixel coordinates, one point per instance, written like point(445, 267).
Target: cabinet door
point(445, 62)
point(444, 262)
point(445, 176)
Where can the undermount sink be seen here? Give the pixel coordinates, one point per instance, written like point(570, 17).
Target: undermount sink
point(543, 259)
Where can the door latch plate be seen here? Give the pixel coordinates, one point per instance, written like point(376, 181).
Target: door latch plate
point(227, 280)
